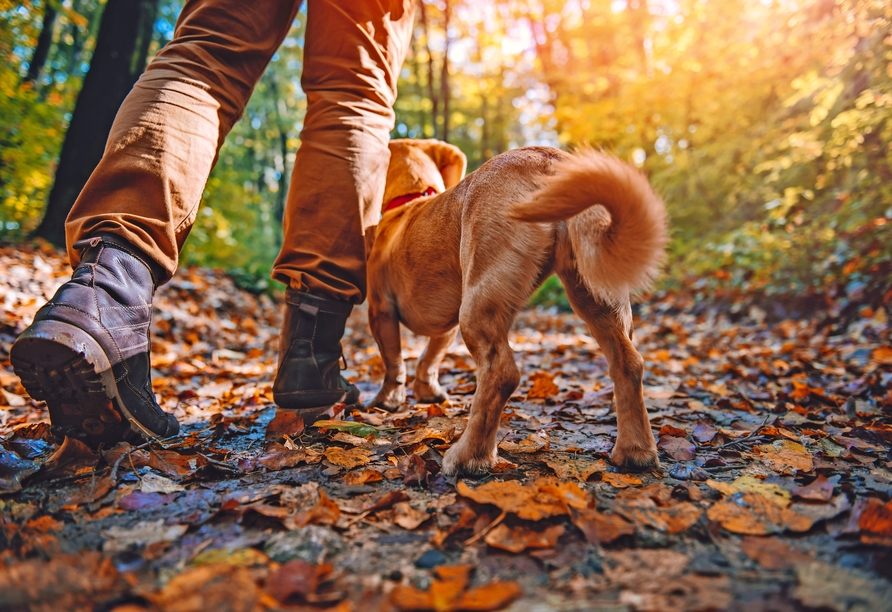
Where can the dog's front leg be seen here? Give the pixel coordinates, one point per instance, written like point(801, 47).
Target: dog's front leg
point(385, 326)
point(426, 386)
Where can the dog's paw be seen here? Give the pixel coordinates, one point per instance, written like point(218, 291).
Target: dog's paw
point(389, 398)
point(635, 457)
point(472, 462)
point(428, 393)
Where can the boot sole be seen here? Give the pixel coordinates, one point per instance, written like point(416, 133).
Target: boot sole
point(65, 367)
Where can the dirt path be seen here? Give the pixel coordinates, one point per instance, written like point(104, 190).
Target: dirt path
point(774, 492)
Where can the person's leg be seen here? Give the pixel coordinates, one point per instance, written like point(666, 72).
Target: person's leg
point(87, 352)
point(352, 60)
point(353, 55)
point(166, 135)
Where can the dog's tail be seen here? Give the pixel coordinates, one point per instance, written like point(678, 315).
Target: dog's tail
point(616, 255)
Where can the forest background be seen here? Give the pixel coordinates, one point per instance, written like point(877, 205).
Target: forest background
point(765, 124)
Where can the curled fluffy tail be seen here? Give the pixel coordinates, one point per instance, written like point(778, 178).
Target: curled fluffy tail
point(617, 256)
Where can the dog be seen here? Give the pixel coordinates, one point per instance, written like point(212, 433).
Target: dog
point(455, 253)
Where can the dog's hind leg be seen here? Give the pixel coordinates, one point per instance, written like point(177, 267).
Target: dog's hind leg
point(612, 328)
point(426, 386)
point(385, 324)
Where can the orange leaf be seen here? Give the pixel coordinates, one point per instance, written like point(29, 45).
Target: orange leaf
point(620, 481)
point(600, 527)
point(543, 386)
point(754, 514)
point(348, 458)
point(519, 538)
point(540, 499)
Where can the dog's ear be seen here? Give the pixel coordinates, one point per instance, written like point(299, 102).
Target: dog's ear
point(451, 162)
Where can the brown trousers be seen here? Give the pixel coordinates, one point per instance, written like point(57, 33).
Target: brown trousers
point(167, 133)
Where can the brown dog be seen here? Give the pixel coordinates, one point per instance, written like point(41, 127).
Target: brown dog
point(471, 255)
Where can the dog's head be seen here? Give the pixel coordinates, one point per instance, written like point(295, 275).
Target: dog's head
point(417, 165)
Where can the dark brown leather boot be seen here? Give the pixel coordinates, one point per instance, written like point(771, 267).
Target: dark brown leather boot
point(309, 378)
point(87, 352)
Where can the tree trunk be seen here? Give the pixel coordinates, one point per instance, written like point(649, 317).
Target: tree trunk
point(42, 48)
point(119, 58)
point(431, 91)
point(444, 73)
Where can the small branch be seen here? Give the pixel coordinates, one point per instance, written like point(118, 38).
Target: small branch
point(486, 529)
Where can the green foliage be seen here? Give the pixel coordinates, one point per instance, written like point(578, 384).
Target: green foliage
point(551, 293)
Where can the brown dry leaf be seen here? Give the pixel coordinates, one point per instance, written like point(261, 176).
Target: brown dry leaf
point(408, 517)
point(279, 457)
point(348, 459)
point(533, 443)
point(755, 514)
point(119, 539)
point(571, 466)
point(298, 578)
point(636, 568)
point(876, 523)
point(600, 527)
point(386, 501)
point(620, 481)
point(751, 484)
point(537, 500)
point(447, 593)
point(820, 489)
point(285, 423)
point(65, 582)
point(882, 355)
point(73, 457)
point(362, 477)
point(681, 594)
point(786, 457)
point(519, 538)
point(773, 553)
point(543, 386)
point(325, 512)
point(654, 506)
point(680, 449)
point(222, 587)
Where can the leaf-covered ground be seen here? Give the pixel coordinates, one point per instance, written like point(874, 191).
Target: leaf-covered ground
point(774, 493)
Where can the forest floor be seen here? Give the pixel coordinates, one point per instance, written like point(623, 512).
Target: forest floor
point(774, 491)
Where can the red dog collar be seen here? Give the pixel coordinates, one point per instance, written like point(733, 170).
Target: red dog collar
point(404, 199)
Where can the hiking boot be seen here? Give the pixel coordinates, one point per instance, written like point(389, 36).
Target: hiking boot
point(309, 378)
point(87, 352)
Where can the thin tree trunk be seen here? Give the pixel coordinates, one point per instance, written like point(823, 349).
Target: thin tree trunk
point(118, 60)
point(444, 73)
point(42, 48)
point(431, 90)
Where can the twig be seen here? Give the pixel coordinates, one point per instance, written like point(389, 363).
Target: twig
point(114, 474)
point(486, 529)
point(745, 438)
point(225, 466)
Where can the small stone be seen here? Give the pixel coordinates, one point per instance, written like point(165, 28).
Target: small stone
point(430, 558)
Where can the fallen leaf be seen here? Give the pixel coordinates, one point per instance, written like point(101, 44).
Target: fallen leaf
point(533, 443)
point(519, 538)
point(217, 586)
point(680, 449)
point(654, 506)
point(572, 466)
point(361, 430)
point(285, 423)
point(773, 553)
point(447, 593)
point(362, 477)
point(348, 459)
point(408, 517)
point(876, 523)
point(65, 582)
point(670, 430)
point(298, 578)
point(543, 386)
point(537, 500)
point(278, 457)
point(755, 514)
point(141, 501)
point(620, 481)
point(829, 587)
point(119, 539)
point(153, 483)
point(325, 512)
point(600, 527)
point(820, 489)
point(704, 432)
point(751, 484)
point(785, 457)
point(73, 457)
